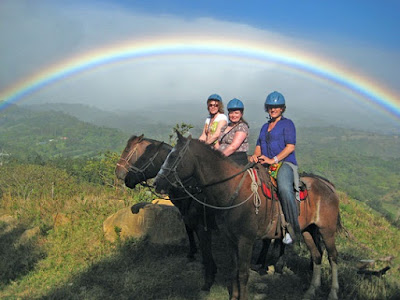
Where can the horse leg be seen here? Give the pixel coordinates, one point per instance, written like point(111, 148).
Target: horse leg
point(277, 260)
point(245, 247)
point(259, 257)
point(329, 240)
point(192, 243)
point(279, 246)
point(210, 268)
point(232, 250)
point(317, 259)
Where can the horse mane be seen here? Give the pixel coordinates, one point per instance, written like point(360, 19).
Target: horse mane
point(133, 137)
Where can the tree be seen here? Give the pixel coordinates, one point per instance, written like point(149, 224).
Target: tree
point(182, 128)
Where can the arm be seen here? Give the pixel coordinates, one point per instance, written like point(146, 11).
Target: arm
point(256, 154)
point(238, 139)
point(212, 138)
point(281, 156)
point(203, 135)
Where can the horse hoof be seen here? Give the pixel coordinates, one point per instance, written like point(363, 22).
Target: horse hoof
point(333, 295)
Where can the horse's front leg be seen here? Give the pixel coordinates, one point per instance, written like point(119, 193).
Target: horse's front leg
point(210, 268)
point(232, 251)
point(245, 248)
point(192, 243)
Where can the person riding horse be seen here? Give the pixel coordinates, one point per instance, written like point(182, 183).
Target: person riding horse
point(215, 121)
point(233, 141)
point(275, 149)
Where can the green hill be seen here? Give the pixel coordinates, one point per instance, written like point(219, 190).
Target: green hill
point(27, 134)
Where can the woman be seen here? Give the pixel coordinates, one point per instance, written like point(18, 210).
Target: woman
point(215, 121)
point(233, 141)
point(276, 147)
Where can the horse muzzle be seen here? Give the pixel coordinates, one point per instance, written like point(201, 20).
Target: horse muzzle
point(131, 180)
point(161, 185)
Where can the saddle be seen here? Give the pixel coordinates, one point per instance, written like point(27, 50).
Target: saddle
point(277, 226)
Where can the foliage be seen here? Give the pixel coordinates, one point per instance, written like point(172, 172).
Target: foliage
point(182, 128)
point(101, 170)
point(38, 136)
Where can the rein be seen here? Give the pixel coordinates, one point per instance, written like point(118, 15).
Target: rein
point(246, 167)
point(148, 164)
point(179, 184)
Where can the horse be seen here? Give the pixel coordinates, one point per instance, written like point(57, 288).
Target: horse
point(246, 212)
point(141, 160)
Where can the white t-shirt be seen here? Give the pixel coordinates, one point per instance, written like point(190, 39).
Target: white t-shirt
point(211, 128)
point(220, 117)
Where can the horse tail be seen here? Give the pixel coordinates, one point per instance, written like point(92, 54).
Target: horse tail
point(339, 225)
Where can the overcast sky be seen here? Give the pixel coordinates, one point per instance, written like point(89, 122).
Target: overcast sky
point(360, 35)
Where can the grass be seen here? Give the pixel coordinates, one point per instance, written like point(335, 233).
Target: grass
point(72, 260)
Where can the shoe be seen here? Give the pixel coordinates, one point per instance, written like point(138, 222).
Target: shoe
point(287, 239)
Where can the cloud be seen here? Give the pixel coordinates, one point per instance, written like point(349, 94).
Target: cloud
point(37, 35)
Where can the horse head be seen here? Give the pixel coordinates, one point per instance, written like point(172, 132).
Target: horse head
point(128, 156)
point(177, 168)
point(141, 160)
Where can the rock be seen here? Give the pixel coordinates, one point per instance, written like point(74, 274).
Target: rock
point(162, 202)
point(162, 224)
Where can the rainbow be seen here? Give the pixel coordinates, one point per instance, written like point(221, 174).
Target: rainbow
point(320, 68)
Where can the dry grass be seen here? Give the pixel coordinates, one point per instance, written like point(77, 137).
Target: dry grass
point(71, 260)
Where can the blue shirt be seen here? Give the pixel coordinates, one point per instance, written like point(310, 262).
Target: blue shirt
point(272, 143)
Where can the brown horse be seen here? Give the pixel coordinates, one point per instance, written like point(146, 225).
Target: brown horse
point(246, 212)
point(141, 160)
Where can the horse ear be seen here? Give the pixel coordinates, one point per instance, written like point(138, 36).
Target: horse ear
point(179, 135)
point(190, 137)
point(141, 137)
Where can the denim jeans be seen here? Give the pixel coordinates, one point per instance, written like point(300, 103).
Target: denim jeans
point(285, 181)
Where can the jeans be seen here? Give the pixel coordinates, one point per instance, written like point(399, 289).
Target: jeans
point(285, 181)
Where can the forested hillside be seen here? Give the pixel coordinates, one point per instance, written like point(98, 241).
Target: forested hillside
point(363, 164)
point(43, 135)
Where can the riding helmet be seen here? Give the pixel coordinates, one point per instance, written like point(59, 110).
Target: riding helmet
point(215, 97)
point(275, 99)
point(235, 104)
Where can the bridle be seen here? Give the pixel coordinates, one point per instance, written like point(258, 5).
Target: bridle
point(128, 158)
point(168, 170)
point(136, 170)
point(179, 184)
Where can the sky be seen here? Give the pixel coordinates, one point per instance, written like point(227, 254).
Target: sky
point(330, 59)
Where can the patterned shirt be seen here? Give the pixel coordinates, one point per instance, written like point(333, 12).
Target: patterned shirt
point(226, 139)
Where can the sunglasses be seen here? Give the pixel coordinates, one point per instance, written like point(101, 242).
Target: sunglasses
point(213, 105)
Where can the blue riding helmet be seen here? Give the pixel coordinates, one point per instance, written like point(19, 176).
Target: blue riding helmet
point(275, 99)
point(235, 104)
point(215, 97)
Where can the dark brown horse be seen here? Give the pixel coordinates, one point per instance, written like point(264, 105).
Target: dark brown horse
point(141, 160)
point(247, 213)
